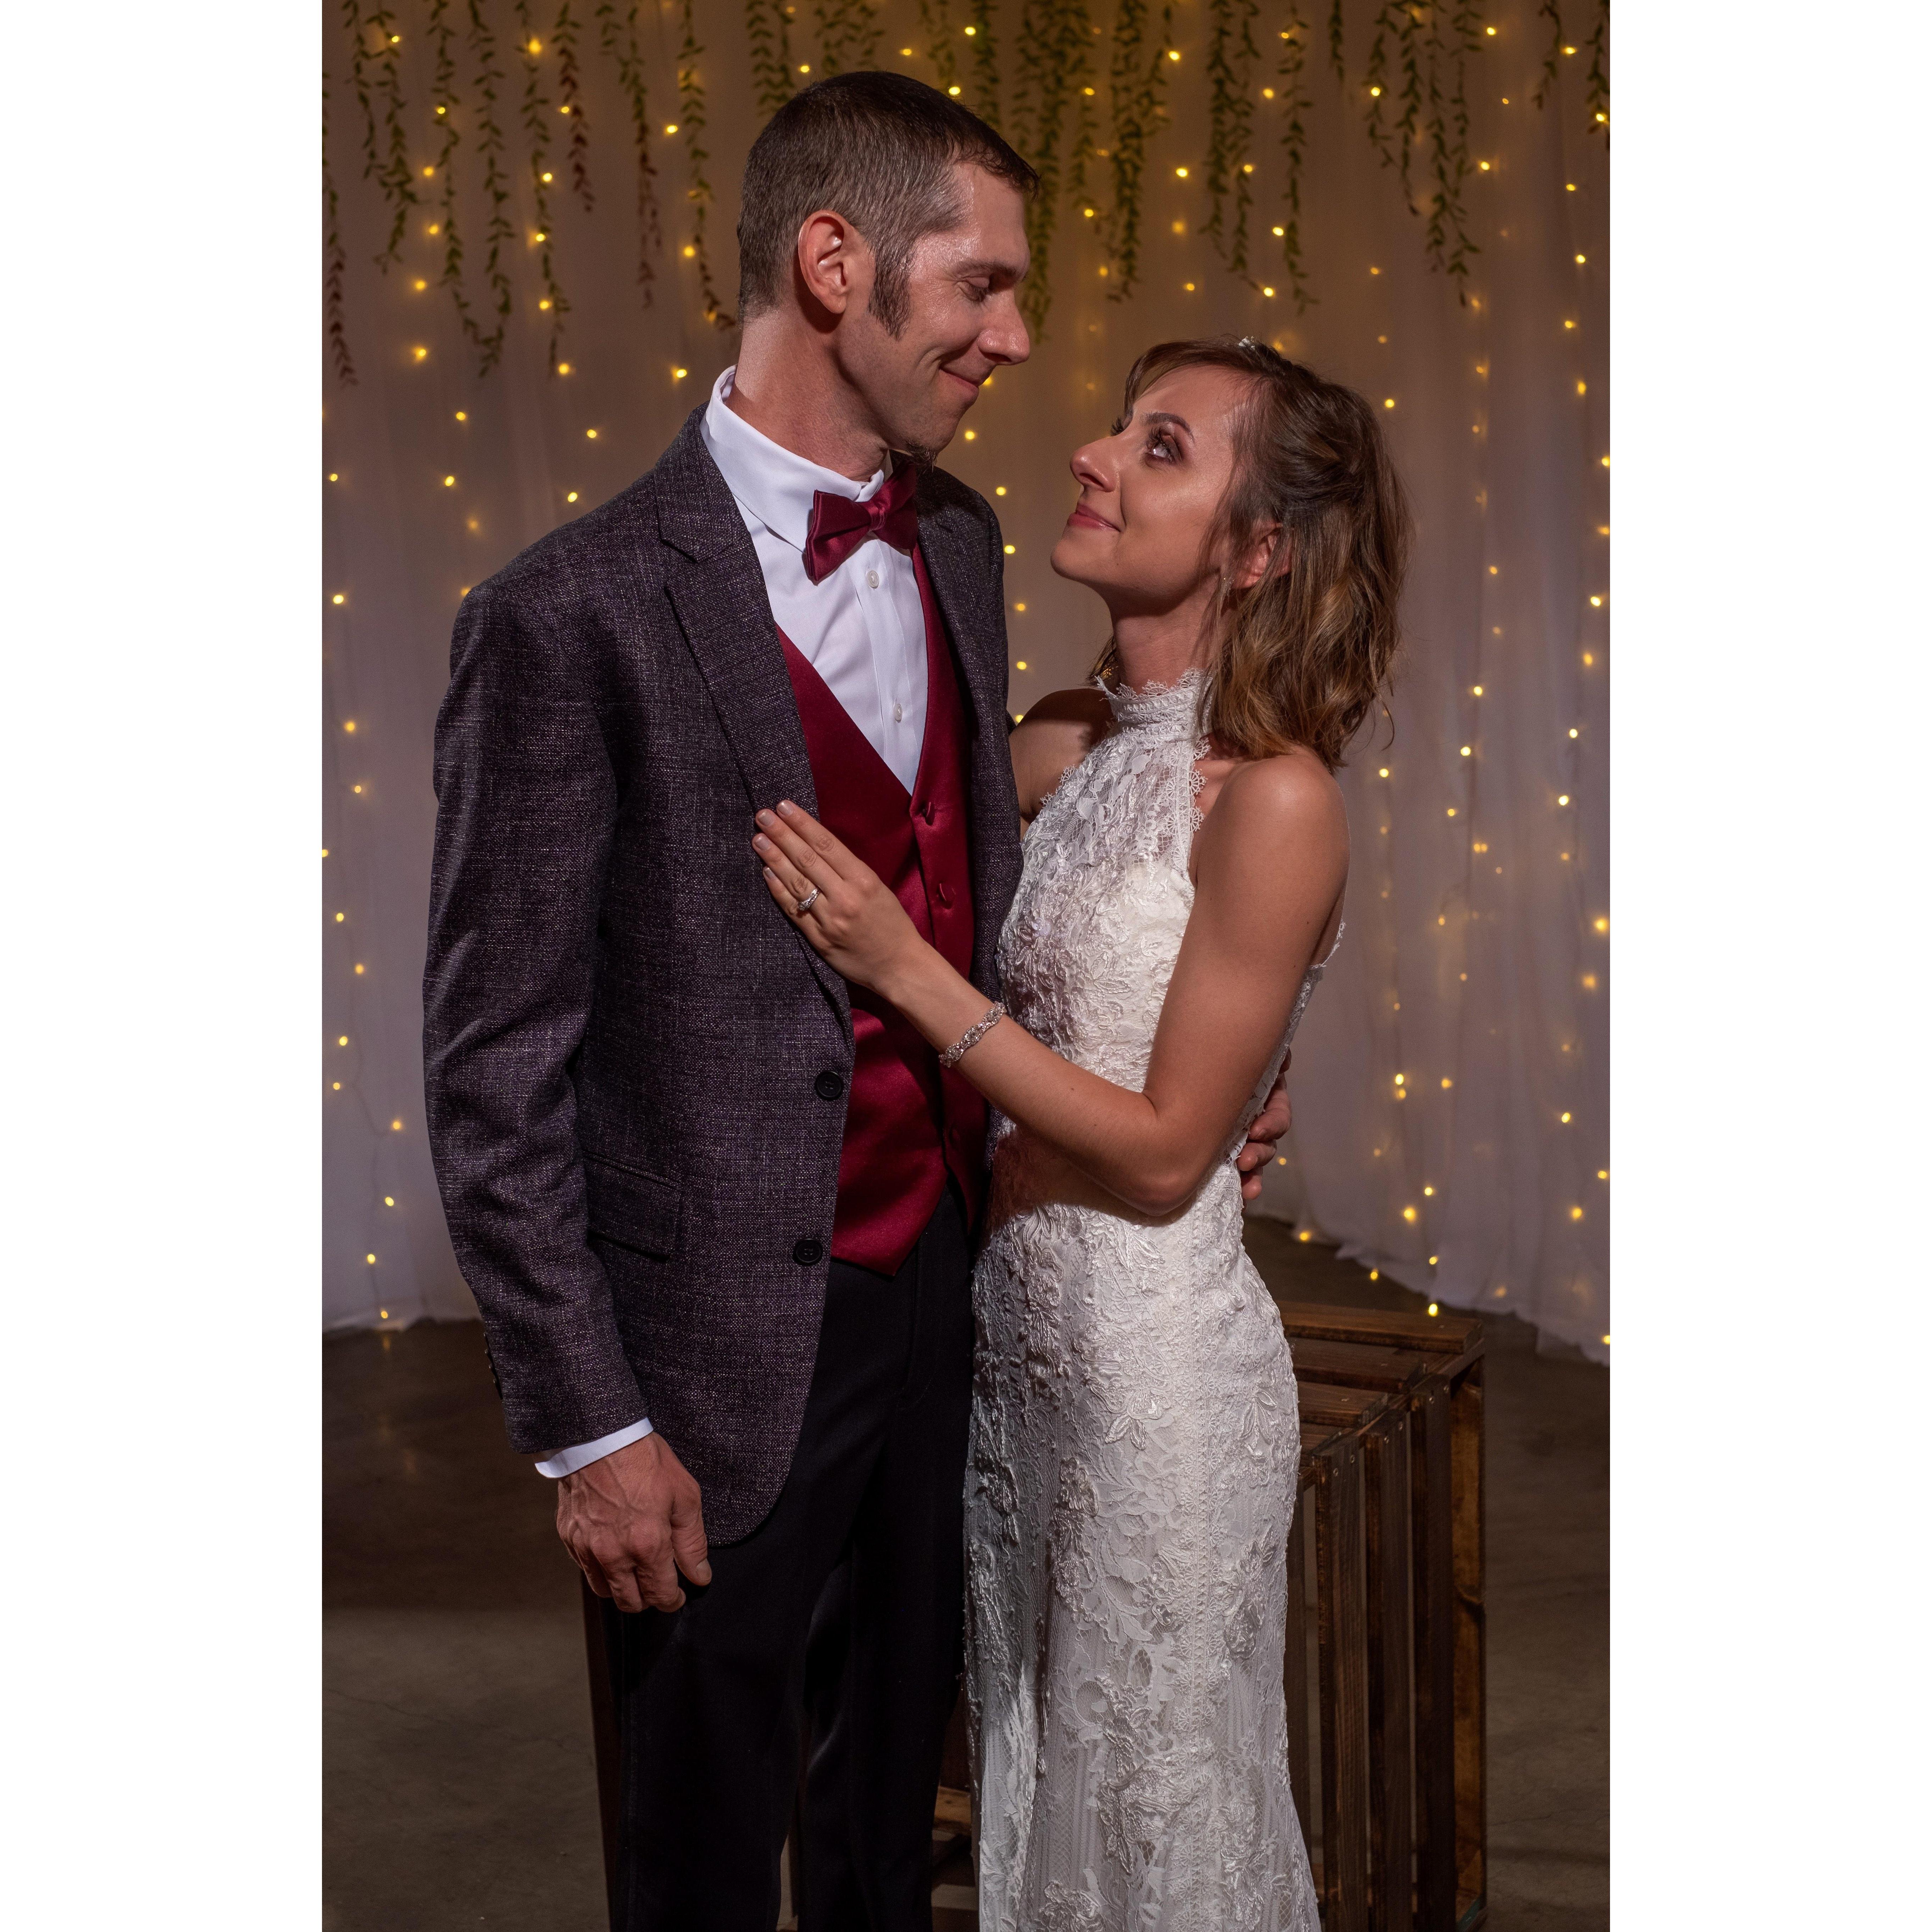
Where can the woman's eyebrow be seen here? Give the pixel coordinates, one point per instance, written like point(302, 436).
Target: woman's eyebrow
point(1167, 416)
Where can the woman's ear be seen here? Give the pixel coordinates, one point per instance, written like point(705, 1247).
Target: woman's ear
point(1260, 554)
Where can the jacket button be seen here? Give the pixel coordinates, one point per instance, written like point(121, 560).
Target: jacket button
point(807, 1253)
point(828, 1086)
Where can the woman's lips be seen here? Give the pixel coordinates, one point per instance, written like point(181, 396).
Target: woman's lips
point(1088, 520)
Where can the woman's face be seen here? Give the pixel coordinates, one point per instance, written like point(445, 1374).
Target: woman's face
point(1149, 493)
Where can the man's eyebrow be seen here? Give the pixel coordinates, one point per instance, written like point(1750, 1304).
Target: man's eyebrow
point(988, 267)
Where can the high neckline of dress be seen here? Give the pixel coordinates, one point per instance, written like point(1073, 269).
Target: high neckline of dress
point(1160, 710)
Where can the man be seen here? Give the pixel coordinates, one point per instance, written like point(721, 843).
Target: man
point(715, 1207)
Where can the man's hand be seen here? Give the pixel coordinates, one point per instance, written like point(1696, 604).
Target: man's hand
point(1270, 1124)
point(633, 1520)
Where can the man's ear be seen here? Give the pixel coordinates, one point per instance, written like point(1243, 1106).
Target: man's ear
point(835, 263)
point(1260, 552)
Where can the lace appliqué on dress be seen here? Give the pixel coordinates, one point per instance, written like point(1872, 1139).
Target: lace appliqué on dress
point(1136, 1439)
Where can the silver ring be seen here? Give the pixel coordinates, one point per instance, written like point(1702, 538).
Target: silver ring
point(805, 904)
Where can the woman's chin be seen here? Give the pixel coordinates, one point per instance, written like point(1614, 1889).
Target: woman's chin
point(1068, 560)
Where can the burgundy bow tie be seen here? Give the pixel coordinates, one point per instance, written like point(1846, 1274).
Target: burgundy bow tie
point(839, 525)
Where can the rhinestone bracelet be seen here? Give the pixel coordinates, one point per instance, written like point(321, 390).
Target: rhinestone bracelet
point(972, 1036)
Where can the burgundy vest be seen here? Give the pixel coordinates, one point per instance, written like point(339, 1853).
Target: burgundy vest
point(907, 1124)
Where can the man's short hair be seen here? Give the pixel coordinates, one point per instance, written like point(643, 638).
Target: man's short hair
point(878, 149)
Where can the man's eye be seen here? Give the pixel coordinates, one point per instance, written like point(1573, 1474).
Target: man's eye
point(977, 291)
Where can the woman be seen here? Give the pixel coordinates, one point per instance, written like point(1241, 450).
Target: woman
point(1135, 1436)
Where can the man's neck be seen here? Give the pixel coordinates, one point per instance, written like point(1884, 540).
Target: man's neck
point(788, 388)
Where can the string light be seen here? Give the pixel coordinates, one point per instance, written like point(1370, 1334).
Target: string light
point(1020, 664)
point(571, 497)
point(999, 489)
point(449, 482)
point(395, 1127)
point(358, 969)
point(1432, 1309)
point(972, 435)
point(1182, 172)
point(463, 415)
point(1476, 690)
point(338, 598)
point(679, 375)
point(1011, 548)
point(389, 1200)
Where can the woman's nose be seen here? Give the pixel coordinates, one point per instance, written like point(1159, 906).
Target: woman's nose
point(1090, 467)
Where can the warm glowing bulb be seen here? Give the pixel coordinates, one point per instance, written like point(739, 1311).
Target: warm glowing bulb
point(1267, 93)
point(463, 415)
point(1020, 608)
point(545, 303)
point(420, 285)
point(335, 1086)
point(1269, 292)
point(1383, 773)
point(1409, 1213)
point(358, 969)
point(348, 723)
point(972, 435)
point(954, 89)
point(1588, 659)
point(340, 917)
point(563, 368)
point(421, 354)
point(1020, 664)
point(389, 1200)
point(679, 375)
point(1188, 287)
point(395, 1127)
point(1433, 1308)
point(1388, 402)
point(1565, 1118)
point(1429, 1190)
point(449, 482)
point(1011, 548)
point(1477, 689)
point(372, 1262)
point(670, 126)
point(1562, 798)
point(1182, 172)
point(571, 497)
point(999, 489)
point(1278, 229)
point(1484, 166)
point(343, 1041)
point(1596, 603)
point(1400, 1078)
point(1601, 924)
point(592, 434)
point(1171, 54)
point(690, 251)
point(337, 598)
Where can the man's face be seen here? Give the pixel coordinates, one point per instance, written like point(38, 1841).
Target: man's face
point(965, 322)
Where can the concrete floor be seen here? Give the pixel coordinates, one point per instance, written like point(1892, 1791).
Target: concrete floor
point(459, 1788)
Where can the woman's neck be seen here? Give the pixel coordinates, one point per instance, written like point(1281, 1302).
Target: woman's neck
point(1161, 647)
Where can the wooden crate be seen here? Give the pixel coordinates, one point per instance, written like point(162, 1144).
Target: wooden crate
point(1392, 1494)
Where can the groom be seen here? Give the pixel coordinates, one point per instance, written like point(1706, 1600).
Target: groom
point(716, 1207)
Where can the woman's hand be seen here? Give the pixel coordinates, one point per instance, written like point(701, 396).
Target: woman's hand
point(835, 899)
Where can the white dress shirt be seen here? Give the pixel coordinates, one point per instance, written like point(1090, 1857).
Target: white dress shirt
point(862, 629)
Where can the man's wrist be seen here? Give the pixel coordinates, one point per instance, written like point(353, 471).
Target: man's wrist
point(567, 1461)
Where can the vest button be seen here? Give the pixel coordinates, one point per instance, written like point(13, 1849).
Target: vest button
point(942, 892)
point(828, 1086)
point(807, 1253)
point(925, 812)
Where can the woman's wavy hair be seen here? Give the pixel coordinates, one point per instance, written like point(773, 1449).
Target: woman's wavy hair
point(1302, 656)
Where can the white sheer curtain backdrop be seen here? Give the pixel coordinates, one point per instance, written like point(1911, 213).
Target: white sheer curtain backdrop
point(1450, 1082)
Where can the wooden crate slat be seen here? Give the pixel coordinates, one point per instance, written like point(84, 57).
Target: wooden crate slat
point(1466, 1455)
point(1444, 1334)
point(1391, 1756)
point(1328, 1406)
point(1429, 1518)
point(1360, 1364)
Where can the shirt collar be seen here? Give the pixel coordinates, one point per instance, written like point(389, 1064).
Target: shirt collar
point(775, 483)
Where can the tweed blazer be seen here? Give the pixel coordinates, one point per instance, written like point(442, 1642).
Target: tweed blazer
point(625, 1042)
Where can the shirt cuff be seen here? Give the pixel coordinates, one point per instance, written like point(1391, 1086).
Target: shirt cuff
point(566, 1460)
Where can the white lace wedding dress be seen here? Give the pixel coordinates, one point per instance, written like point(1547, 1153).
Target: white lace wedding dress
point(1135, 1436)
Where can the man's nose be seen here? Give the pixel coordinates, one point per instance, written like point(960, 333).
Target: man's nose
point(1005, 339)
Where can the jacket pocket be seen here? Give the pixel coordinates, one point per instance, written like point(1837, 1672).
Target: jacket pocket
point(634, 1209)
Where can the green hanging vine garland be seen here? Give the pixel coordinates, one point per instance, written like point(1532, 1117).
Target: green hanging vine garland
point(397, 179)
point(940, 49)
point(1289, 85)
point(985, 65)
point(498, 230)
point(443, 33)
point(1597, 84)
point(570, 103)
point(536, 128)
point(1136, 86)
point(1231, 56)
point(1413, 95)
point(690, 113)
point(335, 262)
point(626, 56)
point(768, 33)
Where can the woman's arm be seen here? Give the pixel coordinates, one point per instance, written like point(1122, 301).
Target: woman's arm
point(1270, 862)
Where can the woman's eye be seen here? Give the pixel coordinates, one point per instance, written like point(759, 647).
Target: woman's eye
point(1163, 447)
point(1116, 425)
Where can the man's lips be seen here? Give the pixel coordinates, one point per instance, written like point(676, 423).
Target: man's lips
point(966, 382)
point(1089, 520)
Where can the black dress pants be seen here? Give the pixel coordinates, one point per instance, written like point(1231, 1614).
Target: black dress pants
point(844, 1607)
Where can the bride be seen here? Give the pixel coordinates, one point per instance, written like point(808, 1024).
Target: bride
point(1132, 1473)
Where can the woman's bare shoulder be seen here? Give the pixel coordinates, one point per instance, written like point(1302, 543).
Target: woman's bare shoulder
point(1285, 810)
point(1052, 736)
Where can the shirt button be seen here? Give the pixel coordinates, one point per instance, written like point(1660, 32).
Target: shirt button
point(872, 578)
point(828, 1086)
point(807, 1253)
point(899, 714)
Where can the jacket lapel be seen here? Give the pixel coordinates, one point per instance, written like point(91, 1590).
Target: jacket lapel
point(718, 590)
point(956, 561)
